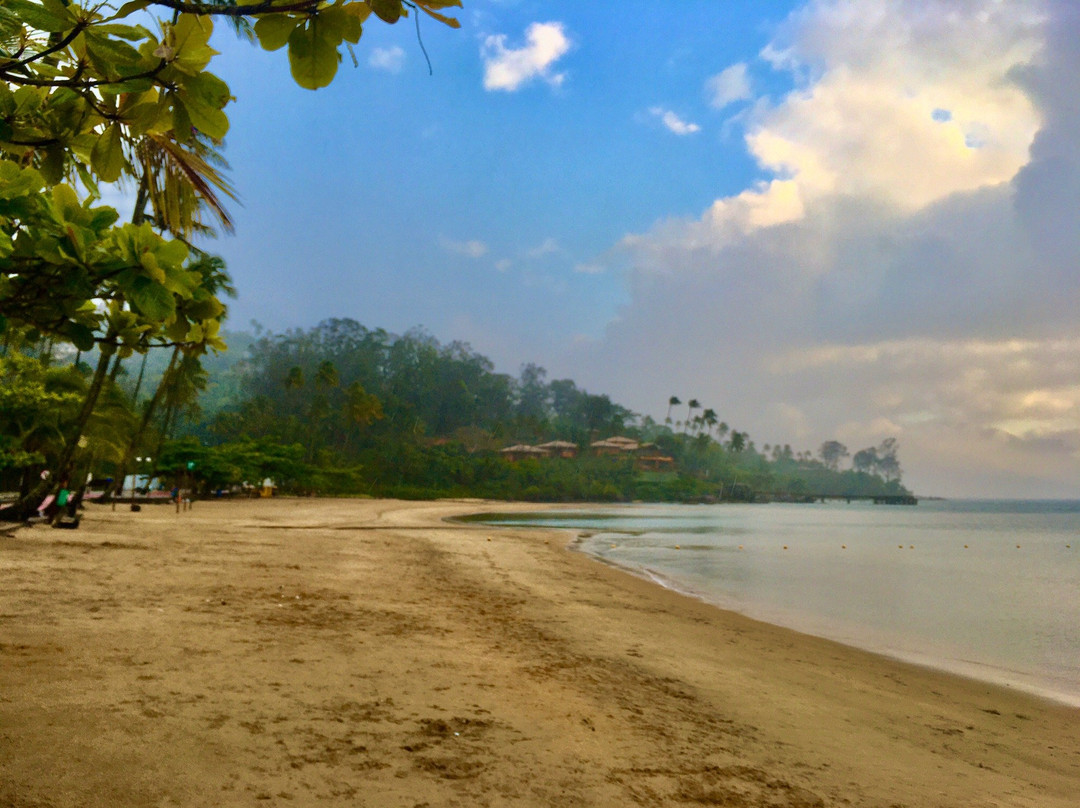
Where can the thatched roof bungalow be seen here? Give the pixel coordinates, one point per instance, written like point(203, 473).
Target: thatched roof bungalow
point(560, 448)
point(614, 445)
point(521, 451)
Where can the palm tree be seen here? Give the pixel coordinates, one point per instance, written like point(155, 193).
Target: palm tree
point(327, 375)
point(184, 360)
point(360, 409)
point(180, 182)
point(691, 405)
point(709, 419)
point(295, 378)
point(674, 401)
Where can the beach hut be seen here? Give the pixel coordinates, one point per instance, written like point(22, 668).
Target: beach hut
point(614, 446)
point(268, 489)
point(559, 448)
point(654, 462)
point(520, 451)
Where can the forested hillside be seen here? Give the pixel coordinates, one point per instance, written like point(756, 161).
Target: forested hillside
point(345, 409)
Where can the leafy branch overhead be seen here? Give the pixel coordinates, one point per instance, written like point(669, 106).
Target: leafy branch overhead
point(92, 95)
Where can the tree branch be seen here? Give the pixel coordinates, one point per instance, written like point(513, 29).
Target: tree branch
point(59, 46)
point(221, 10)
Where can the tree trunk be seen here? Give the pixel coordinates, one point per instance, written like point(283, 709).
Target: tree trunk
point(26, 505)
point(115, 369)
point(138, 381)
point(148, 415)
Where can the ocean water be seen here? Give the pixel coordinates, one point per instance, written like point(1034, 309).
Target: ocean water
point(989, 589)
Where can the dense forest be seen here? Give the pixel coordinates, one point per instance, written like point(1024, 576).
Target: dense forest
point(342, 409)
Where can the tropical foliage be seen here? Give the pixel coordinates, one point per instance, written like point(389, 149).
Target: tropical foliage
point(363, 411)
point(92, 95)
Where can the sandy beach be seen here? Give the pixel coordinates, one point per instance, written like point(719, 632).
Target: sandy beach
point(368, 653)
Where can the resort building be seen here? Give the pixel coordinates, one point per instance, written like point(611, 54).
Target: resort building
point(646, 455)
point(560, 448)
point(521, 451)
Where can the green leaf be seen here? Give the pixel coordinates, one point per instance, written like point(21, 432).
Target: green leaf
point(191, 36)
point(51, 18)
point(107, 156)
point(211, 122)
point(274, 30)
point(17, 181)
point(124, 87)
point(313, 56)
point(130, 8)
point(204, 95)
point(81, 336)
point(207, 309)
point(52, 165)
point(360, 10)
point(141, 117)
point(172, 254)
point(177, 330)
point(151, 300)
point(386, 10)
point(181, 121)
point(132, 33)
point(27, 100)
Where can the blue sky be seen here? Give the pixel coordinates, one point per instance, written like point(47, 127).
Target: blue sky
point(392, 180)
point(845, 219)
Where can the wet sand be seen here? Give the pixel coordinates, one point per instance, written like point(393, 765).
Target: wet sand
point(367, 653)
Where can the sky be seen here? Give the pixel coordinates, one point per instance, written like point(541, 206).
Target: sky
point(825, 219)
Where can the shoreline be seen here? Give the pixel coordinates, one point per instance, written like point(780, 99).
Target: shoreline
point(1065, 693)
point(366, 652)
point(996, 676)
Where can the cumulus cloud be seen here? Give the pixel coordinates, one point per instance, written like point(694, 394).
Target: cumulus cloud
point(510, 68)
point(897, 270)
point(392, 59)
point(728, 86)
point(469, 249)
point(673, 122)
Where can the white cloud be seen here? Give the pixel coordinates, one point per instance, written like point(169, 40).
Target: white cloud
point(886, 276)
point(547, 247)
point(390, 59)
point(673, 122)
point(509, 68)
point(590, 268)
point(865, 123)
point(470, 249)
point(728, 86)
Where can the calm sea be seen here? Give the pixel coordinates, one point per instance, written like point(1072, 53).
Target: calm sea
point(989, 589)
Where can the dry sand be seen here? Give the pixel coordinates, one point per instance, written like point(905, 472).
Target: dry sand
point(365, 653)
